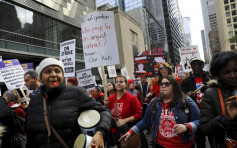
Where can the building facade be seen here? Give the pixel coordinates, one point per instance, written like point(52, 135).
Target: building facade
point(33, 30)
point(187, 31)
point(226, 13)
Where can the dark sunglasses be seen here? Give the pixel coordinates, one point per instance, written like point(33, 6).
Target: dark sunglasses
point(167, 84)
point(24, 102)
point(162, 68)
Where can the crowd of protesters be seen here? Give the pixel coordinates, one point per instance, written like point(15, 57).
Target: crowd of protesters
point(177, 112)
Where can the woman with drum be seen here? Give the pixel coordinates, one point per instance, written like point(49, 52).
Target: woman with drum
point(58, 107)
point(172, 116)
point(218, 113)
point(125, 109)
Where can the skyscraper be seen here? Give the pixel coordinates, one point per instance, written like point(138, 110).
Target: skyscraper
point(187, 31)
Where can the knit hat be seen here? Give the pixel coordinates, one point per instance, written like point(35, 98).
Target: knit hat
point(73, 81)
point(196, 59)
point(130, 81)
point(10, 95)
point(48, 62)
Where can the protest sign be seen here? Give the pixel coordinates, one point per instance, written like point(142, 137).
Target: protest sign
point(186, 54)
point(12, 74)
point(85, 79)
point(99, 39)
point(112, 71)
point(124, 72)
point(147, 65)
point(67, 56)
point(179, 70)
point(27, 67)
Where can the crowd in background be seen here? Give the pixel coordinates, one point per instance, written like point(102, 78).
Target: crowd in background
point(176, 111)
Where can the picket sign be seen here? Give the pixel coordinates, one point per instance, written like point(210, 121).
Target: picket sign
point(22, 92)
point(104, 82)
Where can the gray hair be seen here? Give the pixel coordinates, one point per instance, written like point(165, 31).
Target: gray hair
point(33, 74)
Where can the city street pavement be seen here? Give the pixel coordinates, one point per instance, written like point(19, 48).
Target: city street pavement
point(149, 139)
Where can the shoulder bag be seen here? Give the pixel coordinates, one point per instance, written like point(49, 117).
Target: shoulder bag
point(49, 125)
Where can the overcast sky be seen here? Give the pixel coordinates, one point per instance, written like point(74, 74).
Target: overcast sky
point(192, 9)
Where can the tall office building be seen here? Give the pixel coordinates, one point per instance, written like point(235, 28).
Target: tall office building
point(187, 31)
point(32, 30)
point(205, 52)
point(125, 5)
point(210, 27)
point(227, 22)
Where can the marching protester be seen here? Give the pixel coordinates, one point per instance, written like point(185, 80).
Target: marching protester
point(58, 106)
point(13, 99)
point(32, 82)
point(164, 69)
point(125, 109)
point(196, 79)
point(218, 117)
point(25, 103)
point(174, 118)
point(111, 88)
point(72, 82)
point(98, 95)
point(131, 89)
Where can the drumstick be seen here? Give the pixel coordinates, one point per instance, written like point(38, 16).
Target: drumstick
point(199, 88)
point(228, 101)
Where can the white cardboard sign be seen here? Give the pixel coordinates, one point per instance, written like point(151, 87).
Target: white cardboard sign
point(112, 71)
point(99, 39)
point(67, 56)
point(186, 54)
point(85, 79)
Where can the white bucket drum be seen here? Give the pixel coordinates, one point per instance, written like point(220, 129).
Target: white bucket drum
point(88, 121)
point(83, 141)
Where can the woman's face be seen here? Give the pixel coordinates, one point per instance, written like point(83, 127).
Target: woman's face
point(132, 85)
point(52, 76)
point(95, 92)
point(120, 84)
point(229, 74)
point(166, 87)
point(25, 104)
point(110, 87)
point(163, 70)
point(6, 98)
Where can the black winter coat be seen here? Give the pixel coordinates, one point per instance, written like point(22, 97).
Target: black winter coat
point(189, 84)
point(64, 104)
point(212, 122)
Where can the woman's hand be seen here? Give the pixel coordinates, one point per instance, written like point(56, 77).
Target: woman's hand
point(149, 95)
point(120, 122)
point(97, 140)
point(231, 108)
point(125, 136)
point(180, 128)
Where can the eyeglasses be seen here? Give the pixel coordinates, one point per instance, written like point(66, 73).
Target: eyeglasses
point(167, 84)
point(196, 64)
point(162, 68)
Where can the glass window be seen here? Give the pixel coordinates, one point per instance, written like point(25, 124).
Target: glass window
point(228, 20)
point(232, 46)
point(233, 6)
point(235, 26)
point(226, 1)
point(232, 1)
point(230, 34)
point(230, 27)
point(227, 14)
point(233, 12)
point(227, 8)
point(234, 19)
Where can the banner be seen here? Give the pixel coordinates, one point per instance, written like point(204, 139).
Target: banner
point(27, 67)
point(156, 51)
point(67, 56)
point(12, 74)
point(147, 65)
point(85, 79)
point(186, 54)
point(99, 39)
point(112, 71)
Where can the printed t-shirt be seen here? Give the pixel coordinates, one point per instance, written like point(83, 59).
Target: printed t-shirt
point(166, 135)
point(199, 94)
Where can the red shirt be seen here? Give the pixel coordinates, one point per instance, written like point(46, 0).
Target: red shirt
point(127, 106)
point(166, 135)
point(199, 82)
